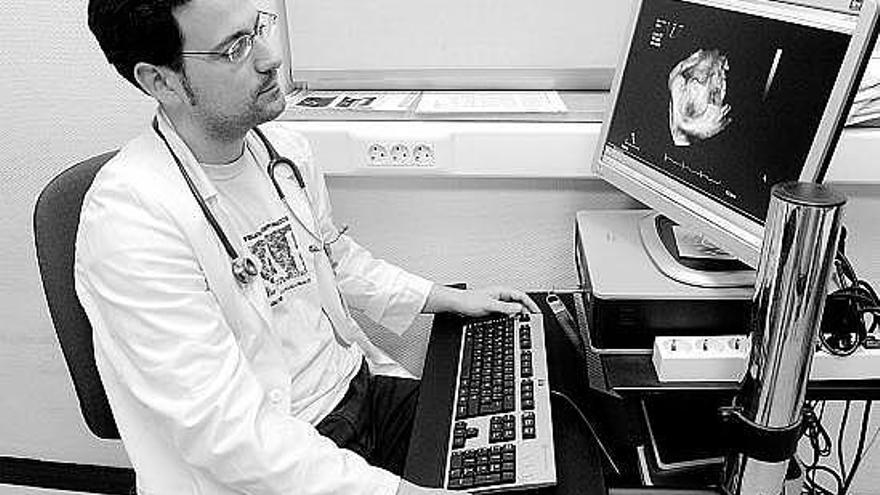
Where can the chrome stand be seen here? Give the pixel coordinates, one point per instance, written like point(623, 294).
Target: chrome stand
point(800, 240)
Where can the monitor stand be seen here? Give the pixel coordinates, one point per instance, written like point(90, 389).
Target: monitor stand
point(690, 258)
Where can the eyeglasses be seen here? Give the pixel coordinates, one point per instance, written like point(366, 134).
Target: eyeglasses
point(242, 46)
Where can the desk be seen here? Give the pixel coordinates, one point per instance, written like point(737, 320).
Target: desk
point(579, 463)
point(581, 468)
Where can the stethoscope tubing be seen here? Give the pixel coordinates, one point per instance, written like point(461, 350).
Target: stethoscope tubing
point(212, 220)
point(243, 268)
point(274, 160)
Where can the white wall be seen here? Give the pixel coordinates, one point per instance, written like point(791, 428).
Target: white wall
point(60, 102)
point(550, 34)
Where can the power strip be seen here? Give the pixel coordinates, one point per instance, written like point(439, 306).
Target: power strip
point(701, 359)
point(724, 359)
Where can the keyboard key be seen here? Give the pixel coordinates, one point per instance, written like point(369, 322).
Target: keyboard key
point(457, 441)
point(493, 478)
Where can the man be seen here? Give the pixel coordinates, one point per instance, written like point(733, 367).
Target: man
point(218, 296)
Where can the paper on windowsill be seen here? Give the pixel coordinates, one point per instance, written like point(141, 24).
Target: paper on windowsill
point(364, 101)
point(491, 102)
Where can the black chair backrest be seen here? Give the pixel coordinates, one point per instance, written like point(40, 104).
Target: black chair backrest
point(56, 221)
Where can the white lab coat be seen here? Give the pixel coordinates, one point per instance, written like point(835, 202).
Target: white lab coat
point(193, 369)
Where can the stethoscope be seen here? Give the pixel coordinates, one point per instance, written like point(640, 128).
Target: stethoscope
point(244, 268)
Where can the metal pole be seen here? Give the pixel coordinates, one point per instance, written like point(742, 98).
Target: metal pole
point(800, 240)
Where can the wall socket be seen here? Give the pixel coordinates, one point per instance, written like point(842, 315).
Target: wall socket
point(403, 146)
point(400, 154)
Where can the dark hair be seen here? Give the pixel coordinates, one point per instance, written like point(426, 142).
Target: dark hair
point(133, 31)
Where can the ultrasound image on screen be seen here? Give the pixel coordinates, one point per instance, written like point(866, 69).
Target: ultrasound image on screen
point(725, 102)
point(697, 90)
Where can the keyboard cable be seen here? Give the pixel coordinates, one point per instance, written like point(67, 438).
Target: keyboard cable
point(589, 425)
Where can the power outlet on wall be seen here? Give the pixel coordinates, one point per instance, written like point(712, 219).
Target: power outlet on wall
point(404, 149)
point(377, 154)
point(400, 154)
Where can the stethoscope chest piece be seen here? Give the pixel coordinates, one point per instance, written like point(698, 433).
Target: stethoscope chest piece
point(244, 269)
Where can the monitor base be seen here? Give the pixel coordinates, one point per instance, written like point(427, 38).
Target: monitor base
point(711, 268)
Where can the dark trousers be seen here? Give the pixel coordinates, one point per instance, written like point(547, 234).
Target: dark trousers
point(375, 419)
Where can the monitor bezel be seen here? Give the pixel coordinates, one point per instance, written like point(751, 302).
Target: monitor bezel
point(730, 229)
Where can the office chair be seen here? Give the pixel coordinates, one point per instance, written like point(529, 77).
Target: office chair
point(56, 221)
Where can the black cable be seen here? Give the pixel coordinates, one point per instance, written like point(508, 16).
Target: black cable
point(845, 328)
point(589, 425)
point(860, 449)
point(820, 442)
point(841, 465)
point(873, 438)
point(821, 447)
point(855, 302)
point(817, 488)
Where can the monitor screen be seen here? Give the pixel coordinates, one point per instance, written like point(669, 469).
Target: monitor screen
point(728, 112)
point(718, 100)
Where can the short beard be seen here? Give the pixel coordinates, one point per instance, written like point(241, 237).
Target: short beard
point(226, 127)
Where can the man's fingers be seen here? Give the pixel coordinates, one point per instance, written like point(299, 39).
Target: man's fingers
point(514, 295)
point(527, 301)
point(509, 308)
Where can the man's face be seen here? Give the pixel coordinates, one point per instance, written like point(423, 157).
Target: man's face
point(227, 98)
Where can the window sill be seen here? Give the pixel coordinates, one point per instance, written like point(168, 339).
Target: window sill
point(583, 106)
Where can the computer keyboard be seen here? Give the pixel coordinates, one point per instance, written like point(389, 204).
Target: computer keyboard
point(501, 436)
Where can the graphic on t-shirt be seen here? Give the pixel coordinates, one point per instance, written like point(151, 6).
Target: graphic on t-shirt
point(281, 264)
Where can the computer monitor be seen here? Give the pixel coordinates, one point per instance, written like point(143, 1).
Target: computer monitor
point(715, 101)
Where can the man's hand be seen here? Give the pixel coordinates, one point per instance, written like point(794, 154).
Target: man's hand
point(407, 488)
point(479, 302)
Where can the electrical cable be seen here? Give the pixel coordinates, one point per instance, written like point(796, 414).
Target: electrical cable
point(820, 442)
point(852, 312)
point(815, 487)
point(860, 449)
point(589, 425)
point(873, 439)
point(841, 464)
point(821, 446)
